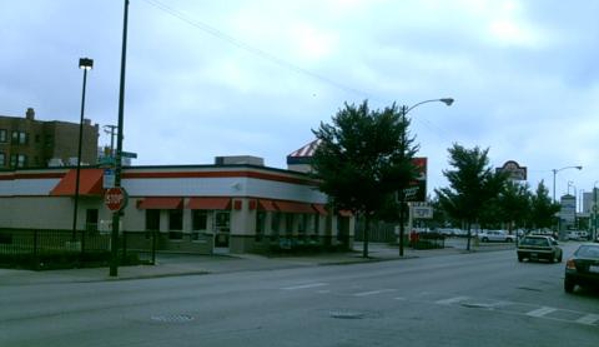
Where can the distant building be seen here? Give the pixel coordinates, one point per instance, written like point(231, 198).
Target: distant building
point(29, 143)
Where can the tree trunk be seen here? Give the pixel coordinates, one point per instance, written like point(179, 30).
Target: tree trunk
point(366, 232)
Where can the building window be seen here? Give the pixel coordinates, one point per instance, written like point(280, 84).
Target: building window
point(175, 224)
point(19, 138)
point(289, 219)
point(260, 225)
point(199, 222)
point(91, 219)
point(2, 159)
point(223, 222)
point(275, 221)
point(152, 219)
point(18, 160)
point(3, 138)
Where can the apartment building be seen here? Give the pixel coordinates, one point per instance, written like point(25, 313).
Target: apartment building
point(29, 143)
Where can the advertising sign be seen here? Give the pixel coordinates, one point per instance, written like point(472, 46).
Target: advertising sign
point(417, 189)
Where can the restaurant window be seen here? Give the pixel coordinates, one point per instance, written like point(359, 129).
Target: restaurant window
point(91, 219)
point(260, 225)
point(275, 221)
point(302, 224)
point(289, 223)
point(223, 221)
point(199, 222)
point(152, 219)
point(175, 224)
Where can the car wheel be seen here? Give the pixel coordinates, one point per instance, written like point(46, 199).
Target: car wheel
point(569, 286)
point(559, 259)
point(520, 258)
point(552, 259)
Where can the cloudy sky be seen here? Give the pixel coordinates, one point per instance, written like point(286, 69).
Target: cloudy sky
point(213, 78)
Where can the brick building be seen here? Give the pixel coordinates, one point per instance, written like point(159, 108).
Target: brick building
point(29, 143)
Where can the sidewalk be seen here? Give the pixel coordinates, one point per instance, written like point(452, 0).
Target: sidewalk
point(186, 264)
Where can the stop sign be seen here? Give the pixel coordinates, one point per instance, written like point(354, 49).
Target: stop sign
point(115, 199)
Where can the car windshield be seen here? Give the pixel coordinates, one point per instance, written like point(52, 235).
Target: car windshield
point(588, 251)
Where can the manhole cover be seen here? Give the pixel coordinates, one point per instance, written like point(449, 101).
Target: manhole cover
point(172, 318)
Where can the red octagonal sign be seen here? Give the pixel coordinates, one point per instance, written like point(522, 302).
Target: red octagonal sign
point(115, 199)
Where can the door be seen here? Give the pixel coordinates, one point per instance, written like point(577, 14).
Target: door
point(222, 231)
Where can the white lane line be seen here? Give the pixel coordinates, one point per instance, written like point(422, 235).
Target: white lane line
point(588, 319)
point(305, 286)
point(453, 300)
point(374, 292)
point(543, 311)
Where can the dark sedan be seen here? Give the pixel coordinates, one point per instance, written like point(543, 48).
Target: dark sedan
point(583, 268)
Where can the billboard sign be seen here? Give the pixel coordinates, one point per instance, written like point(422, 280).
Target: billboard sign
point(417, 189)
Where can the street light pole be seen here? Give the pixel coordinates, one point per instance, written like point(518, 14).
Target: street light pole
point(595, 210)
point(401, 194)
point(555, 171)
point(84, 64)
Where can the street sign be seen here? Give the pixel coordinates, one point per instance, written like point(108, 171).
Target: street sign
point(109, 178)
point(128, 155)
point(116, 199)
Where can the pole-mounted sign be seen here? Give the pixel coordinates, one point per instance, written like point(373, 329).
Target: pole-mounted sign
point(116, 199)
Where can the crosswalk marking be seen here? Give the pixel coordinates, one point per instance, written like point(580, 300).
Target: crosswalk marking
point(305, 286)
point(540, 312)
point(588, 319)
point(374, 292)
point(453, 300)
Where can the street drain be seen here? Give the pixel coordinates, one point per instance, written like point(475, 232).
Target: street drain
point(173, 318)
point(343, 314)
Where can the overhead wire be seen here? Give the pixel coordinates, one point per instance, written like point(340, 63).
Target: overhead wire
point(208, 29)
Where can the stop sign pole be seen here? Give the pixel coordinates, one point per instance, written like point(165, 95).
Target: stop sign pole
point(116, 217)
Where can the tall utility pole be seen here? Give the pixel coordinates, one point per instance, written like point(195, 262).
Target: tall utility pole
point(116, 216)
point(111, 129)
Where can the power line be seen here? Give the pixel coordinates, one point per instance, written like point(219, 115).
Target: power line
point(249, 48)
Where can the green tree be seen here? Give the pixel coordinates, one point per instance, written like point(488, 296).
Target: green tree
point(363, 157)
point(514, 204)
point(473, 185)
point(542, 209)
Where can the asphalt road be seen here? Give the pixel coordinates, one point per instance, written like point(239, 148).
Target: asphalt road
point(477, 299)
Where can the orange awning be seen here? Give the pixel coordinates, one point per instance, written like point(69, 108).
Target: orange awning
point(321, 209)
point(209, 203)
point(345, 213)
point(293, 207)
point(160, 203)
point(90, 183)
point(266, 205)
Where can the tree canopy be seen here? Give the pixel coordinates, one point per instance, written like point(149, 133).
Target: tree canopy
point(363, 158)
point(472, 185)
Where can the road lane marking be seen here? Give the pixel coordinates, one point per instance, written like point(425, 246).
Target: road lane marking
point(588, 319)
point(305, 286)
point(540, 312)
point(453, 300)
point(374, 292)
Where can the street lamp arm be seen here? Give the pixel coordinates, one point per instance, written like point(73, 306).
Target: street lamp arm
point(446, 101)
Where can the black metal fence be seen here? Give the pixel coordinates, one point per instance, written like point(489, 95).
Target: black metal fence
point(29, 248)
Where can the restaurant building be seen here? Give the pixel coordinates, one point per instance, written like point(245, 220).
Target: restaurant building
point(236, 205)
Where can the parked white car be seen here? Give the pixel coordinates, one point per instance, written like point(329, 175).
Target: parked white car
point(495, 236)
